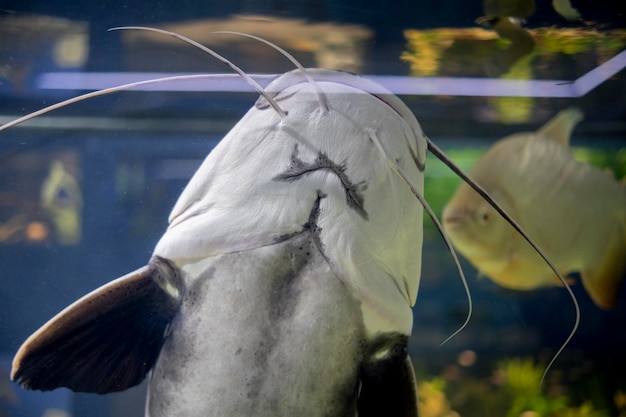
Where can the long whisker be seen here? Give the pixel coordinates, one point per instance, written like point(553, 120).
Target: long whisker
point(320, 95)
point(282, 113)
point(443, 158)
point(433, 217)
point(105, 92)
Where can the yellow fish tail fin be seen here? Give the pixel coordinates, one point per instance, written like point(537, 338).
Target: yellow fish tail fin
point(603, 281)
point(560, 127)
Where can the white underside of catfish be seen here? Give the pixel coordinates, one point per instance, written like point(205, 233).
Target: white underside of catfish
point(366, 243)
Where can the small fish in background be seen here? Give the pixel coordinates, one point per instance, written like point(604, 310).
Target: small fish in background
point(574, 211)
point(506, 18)
point(62, 201)
point(565, 9)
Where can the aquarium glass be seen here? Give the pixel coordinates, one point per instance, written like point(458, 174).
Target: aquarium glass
point(86, 190)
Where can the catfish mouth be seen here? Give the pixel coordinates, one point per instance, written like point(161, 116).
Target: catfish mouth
point(361, 85)
point(346, 78)
point(385, 98)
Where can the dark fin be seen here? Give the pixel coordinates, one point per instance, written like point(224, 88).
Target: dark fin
point(106, 341)
point(388, 387)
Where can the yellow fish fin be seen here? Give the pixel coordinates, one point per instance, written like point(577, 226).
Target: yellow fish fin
point(603, 282)
point(560, 127)
point(523, 275)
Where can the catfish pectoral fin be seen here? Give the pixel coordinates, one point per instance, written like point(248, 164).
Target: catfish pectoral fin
point(106, 341)
point(388, 386)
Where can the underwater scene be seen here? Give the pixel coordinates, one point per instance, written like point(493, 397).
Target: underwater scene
point(526, 96)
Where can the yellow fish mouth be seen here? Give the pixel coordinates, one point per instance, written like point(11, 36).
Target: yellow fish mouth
point(452, 219)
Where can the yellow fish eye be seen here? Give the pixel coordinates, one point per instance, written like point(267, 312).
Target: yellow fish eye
point(483, 216)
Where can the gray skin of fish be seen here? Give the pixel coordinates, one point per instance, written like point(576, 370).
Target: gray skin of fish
point(278, 361)
point(284, 284)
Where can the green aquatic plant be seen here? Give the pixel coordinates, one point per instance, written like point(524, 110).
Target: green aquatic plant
point(477, 52)
point(585, 410)
point(432, 399)
point(426, 49)
point(620, 402)
point(539, 406)
point(513, 390)
point(572, 41)
point(522, 378)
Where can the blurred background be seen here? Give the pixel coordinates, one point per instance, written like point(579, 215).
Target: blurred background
point(85, 191)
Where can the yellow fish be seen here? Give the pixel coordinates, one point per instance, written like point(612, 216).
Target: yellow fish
point(62, 202)
point(574, 211)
